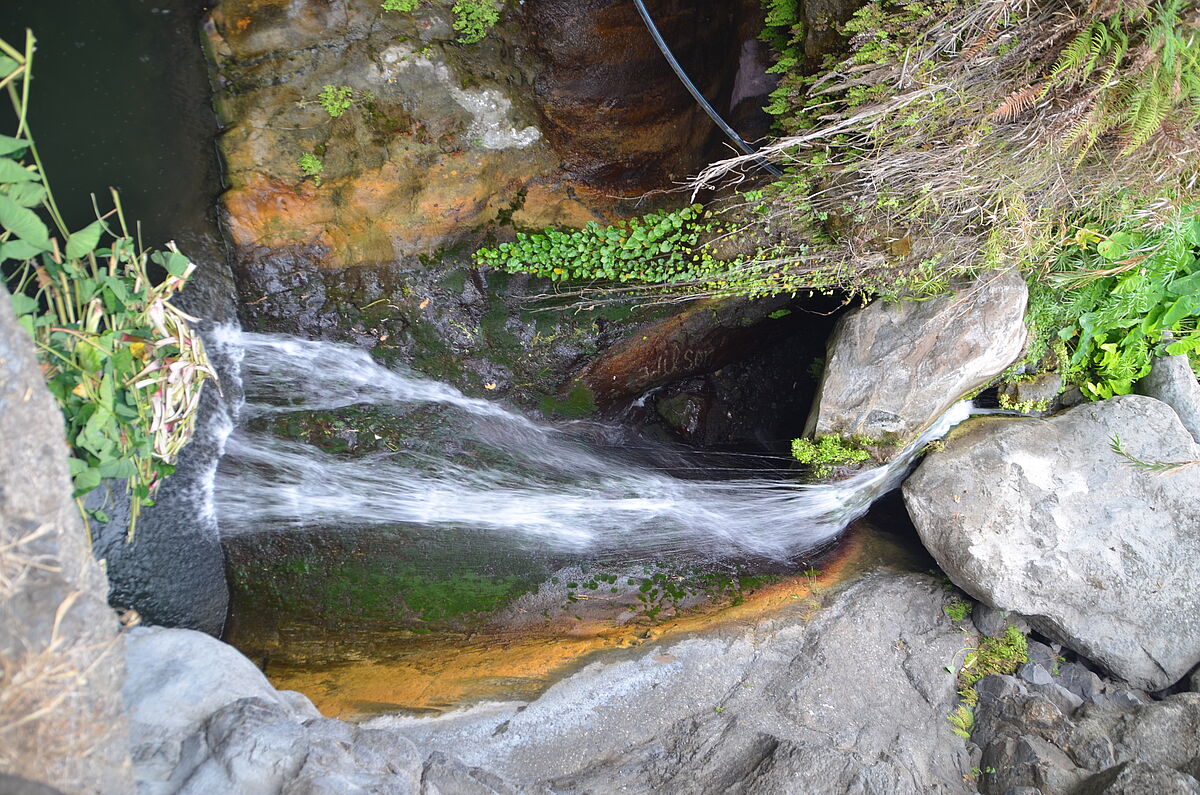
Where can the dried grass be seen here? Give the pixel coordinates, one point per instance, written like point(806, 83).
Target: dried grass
point(47, 678)
point(980, 162)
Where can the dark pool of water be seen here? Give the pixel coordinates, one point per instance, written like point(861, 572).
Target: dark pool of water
point(116, 103)
point(121, 99)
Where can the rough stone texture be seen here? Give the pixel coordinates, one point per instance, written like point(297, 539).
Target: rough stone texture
point(205, 719)
point(892, 369)
point(855, 701)
point(411, 170)
point(612, 107)
point(1172, 381)
point(59, 642)
point(1084, 746)
point(1139, 778)
point(1041, 391)
point(1039, 516)
point(452, 136)
point(700, 339)
point(992, 622)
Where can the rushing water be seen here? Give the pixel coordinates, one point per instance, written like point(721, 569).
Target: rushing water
point(570, 488)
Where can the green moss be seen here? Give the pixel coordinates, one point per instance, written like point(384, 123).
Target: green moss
point(1001, 655)
point(828, 451)
point(579, 402)
point(957, 610)
point(373, 581)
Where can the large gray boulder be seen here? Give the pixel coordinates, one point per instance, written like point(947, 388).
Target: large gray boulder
point(61, 720)
point(1172, 381)
point(893, 368)
point(855, 700)
point(1041, 517)
point(205, 719)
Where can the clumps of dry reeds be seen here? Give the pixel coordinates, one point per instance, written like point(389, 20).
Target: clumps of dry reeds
point(48, 679)
point(1000, 122)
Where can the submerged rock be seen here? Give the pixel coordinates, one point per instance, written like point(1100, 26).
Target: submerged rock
point(61, 720)
point(893, 368)
point(1042, 517)
point(855, 700)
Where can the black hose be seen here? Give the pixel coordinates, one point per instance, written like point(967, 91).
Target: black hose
point(695, 92)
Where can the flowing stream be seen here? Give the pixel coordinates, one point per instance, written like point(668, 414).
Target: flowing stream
point(576, 488)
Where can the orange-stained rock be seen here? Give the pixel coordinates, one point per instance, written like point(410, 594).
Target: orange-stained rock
point(564, 114)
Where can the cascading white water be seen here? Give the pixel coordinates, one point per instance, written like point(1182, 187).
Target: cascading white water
point(551, 489)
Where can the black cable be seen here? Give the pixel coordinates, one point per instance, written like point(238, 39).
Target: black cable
point(695, 92)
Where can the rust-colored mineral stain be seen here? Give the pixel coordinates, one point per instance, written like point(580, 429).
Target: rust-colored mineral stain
point(441, 673)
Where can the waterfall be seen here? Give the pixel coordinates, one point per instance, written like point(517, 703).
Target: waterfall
point(569, 488)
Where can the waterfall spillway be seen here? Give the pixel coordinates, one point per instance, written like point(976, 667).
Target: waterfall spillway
point(567, 489)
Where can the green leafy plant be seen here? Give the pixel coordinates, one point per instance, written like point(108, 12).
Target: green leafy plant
point(474, 18)
point(957, 610)
point(963, 721)
point(1023, 406)
point(828, 451)
point(660, 248)
point(1000, 655)
point(120, 359)
point(311, 166)
point(1129, 294)
point(336, 100)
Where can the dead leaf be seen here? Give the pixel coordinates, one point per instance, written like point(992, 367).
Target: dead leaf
point(490, 385)
point(424, 304)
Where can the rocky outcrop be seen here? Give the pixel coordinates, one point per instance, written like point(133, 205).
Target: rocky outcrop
point(893, 368)
point(611, 106)
point(61, 665)
point(1172, 381)
point(441, 139)
point(856, 700)
point(1042, 517)
point(1056, 737)
point(205, 719)
point(433, 146)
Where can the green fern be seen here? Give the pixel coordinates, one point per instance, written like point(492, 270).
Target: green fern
point(1157, 53)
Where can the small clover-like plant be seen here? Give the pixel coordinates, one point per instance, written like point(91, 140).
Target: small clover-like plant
point(336, 100)
point(474, 18)
point(311, 166)
point(399, 5)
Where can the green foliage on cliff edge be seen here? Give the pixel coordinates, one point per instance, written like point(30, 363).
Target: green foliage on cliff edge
point(947, 138)
point(1115, 299)
point(472, 18)
point(120, 359)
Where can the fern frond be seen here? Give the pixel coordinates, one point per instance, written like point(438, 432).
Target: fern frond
point(979, 44)
point(1082, 48)
point(1151, 112)
point(1016, 103)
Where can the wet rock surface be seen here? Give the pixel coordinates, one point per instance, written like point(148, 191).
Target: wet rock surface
point(60, 656)
point(441, 138)
point(892, 369)
point(771, 708)
point(1041, 517)
point(598, 76)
